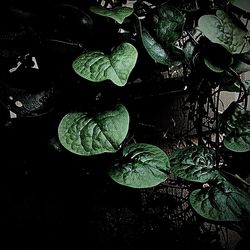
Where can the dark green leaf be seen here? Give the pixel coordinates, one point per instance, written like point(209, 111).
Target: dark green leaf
point(236, 127)
point(194, 163)
point(169, 56)
point(221, 202)
point(96, 66)
point(168, 26)
point(141, 166)
point(85, 134)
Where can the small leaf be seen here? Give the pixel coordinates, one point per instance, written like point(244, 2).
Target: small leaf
point(221, 202)
point(241, 4)
point(223, 30)
point(96, 66)
point(84, 134)
point(194, 163)
point(118, 13)
point(141, 166)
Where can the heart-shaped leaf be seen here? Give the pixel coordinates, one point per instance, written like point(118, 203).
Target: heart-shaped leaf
point(141, 166)
point(223, 30)
point(118, 13)
point(96, 66)
point(241, 4)
point(84, 134)
point(194, 163)
point(236, 128)
point(221, 202)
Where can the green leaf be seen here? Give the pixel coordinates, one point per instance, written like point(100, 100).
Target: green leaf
point(170, 56)
point(96, 66)
point(221, 202)
point(195, 163)
point(236, 128)
point(85, 134)
point(241, 4)
point(141, 166)
point(223, 30)
point(216, 57)
point(212, 66)
point(168, 24)
point(118, 13)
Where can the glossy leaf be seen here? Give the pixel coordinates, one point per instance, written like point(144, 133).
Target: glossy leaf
point(169, 56)
point(85, 134)
point(223, 30)
point(118, 13)
point(169, 23)
point(241, 4)
point(221, 202)
point(96, 66)
point(195, 163)
point(212, 66)
point(237, 130)
point(141, 166)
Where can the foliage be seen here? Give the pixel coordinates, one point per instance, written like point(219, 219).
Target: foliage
point(90, 54)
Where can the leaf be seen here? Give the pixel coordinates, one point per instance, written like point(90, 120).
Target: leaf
point(221, 202)
point(170, 56)
point(241, 4)
point(118, 13)
point(195, 163)
point(236, 128)
point(141, 166)
point(96, 66)
point(223, 30)
point(212, 66)
point(216, 57)
point(84, 134)
point(169, 23)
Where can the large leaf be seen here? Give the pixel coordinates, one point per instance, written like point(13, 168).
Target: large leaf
point(221, 202)
point(168, 26)
point(96, 66)
point(242, 4)
point(141, 166)
point(84, 134)
point(223, 30)
point(236, 128)
point(195, 163)
point(170, 56)
point(118, 13)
